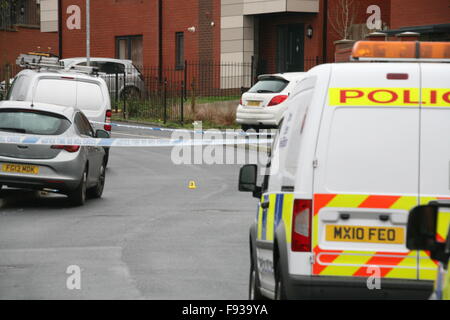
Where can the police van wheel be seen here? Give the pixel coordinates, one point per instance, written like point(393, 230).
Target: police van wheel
point(253, 288)
point(280, 293)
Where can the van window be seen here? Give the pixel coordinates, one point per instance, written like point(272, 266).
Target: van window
point(56, 91)
point(69, 93)
point(19, 88)
point(89, 96)
point(373, 150)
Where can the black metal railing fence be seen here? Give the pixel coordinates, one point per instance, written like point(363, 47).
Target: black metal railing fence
point(169, 93)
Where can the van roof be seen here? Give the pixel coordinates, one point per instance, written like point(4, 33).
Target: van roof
point(26, 105)
point(62, 73)
point(81, 59)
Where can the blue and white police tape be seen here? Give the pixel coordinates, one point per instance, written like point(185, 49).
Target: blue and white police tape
point(74, 141)
point(211, 131)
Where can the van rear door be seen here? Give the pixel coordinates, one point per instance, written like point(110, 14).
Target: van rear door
point(435, 149)
point(366, 177)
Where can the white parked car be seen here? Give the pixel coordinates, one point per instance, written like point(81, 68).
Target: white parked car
point(264, 104)
point(132, 84)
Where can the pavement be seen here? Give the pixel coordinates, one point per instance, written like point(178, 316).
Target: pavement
point(149, 237)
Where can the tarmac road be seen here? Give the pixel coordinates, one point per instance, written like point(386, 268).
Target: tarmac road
point(149, 237)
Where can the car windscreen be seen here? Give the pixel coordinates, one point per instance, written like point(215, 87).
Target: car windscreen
point(32, 122)
point(269, 85)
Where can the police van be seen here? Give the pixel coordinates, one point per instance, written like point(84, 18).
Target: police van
point(360, 145)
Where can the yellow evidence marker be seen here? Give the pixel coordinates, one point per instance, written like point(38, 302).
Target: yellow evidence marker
point(192, 185)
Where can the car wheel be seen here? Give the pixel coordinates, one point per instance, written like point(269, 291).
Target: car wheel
point(245, 127)
point(280, 293)
point(253, 288)
point(97, 191)
point(78, 196)
point(106, 157)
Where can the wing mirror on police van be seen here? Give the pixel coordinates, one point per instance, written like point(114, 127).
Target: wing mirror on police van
point(102, 134)
point(247, 180)
point(422, 232)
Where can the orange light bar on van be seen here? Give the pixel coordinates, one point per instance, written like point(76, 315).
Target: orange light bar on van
point(435, 50)
point(401, 50)
point(384, 49)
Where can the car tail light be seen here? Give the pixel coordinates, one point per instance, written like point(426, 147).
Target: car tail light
point(70, 149)
point(240, 102)
point(107, 126)
point(277, 100)
point(301, 226)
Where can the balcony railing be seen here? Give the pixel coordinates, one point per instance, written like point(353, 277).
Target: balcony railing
point(19, 12)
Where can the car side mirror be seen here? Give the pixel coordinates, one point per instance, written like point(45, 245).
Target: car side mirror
point(247, 178)
point(422, 231)
point(102, 134)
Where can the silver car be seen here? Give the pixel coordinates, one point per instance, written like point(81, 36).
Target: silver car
point(76, 171)
point(130, 81)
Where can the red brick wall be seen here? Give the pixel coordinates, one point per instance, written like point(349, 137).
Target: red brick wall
point(178, 17)
point(361, 17)
point(405, 13)
point(111, 18)
point(13, 43)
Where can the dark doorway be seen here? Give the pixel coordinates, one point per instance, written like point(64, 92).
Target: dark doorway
point(290, 48)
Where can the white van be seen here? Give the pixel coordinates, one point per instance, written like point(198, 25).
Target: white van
point(361, 144)
point(66, 88)
point(69, 89)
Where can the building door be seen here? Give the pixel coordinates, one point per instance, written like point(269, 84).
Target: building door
point(290, 53)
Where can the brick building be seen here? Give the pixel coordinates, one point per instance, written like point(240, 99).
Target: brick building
point(280, 35)
point(429, 18)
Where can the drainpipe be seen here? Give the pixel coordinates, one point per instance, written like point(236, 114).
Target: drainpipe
point(325, 31)
point(160, 40)
point(60, 30)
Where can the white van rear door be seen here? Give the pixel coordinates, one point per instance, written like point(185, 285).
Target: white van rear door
point(366, 179)
point(91, 100)
point(435, 149)
point(59, 91)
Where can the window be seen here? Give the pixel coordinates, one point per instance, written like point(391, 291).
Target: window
point(70, 93)
point(19, 12)
point(33, 122)
point(83, 125)
point(273, 85)
point(89, 96)
point(19, 89)
point(179, 50)
point(373, 150)
point(130, 48)
point(56, 91)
